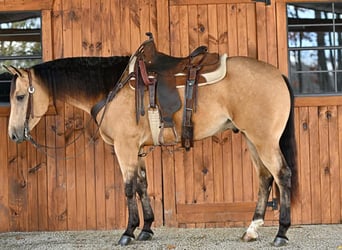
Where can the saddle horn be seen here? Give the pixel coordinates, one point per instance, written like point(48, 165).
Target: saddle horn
point(150, 35)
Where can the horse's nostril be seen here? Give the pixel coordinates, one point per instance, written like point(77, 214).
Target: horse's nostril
point(14, 137)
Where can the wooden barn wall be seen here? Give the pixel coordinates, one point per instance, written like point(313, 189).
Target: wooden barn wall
point(80, 186)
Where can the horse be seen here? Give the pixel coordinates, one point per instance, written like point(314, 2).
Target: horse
point(253, 98)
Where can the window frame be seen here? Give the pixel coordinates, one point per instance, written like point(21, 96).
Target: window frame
point(333, 48)
point(283, 65)
point(45, 8)
point(21, 35)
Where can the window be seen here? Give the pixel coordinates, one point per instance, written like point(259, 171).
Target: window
point(315, 48)
point(20, 45)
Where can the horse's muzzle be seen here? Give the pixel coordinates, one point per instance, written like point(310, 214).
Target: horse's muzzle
point(15, 136)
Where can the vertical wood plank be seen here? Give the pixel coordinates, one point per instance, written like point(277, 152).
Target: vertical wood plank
point(296, 208)
point(193, 27)
point(227, 158)
point(106, 28)
point(4, 177)
point(51, 124)
point(163, 21)
point(135, 20)
point(47, 52)
point(98, 8)
point(316, 212)
point(42, 209)
point(115, 27)
point(251, 30)
point(88, 39)
point(261, 31)
point(339, 110)
point(120, 202)
point(222, 28)
point(169, 189)
point(22, 191)
point(237, 168)
point(203, 28)
point(175, 31)
point(242, 29)
point(334, 167)
point(158, 187)
point(272, 35)
point(13, 186)
point(125, 27)
point(78, 208)
point(232, 30)
point(281, 37)
point(145, 18)
point(247, 172)
point(212, 28)
point(153, 16)
point(324, 163)
point(304, 165)
point(32, 188)
point(198, 166)
point(110, 187)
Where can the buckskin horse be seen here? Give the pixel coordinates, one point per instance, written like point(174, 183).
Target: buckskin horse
point(252, 97)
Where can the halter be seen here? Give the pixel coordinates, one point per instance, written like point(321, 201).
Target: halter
point(29, 110)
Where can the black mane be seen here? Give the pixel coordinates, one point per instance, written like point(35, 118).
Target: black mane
point(91, 77)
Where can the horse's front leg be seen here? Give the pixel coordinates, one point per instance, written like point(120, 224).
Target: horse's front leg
point(146, 233)
point(127, 155)
point(133, 214)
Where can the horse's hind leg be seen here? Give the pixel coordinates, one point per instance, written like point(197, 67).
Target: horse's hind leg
point(265, 184)
point(146, 233)
point(274, 161)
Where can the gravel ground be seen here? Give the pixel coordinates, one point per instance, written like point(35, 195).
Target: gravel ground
point(301, 237)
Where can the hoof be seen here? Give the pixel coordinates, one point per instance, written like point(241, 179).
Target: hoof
point(144, 236)
point(280, 241)
point(125, 240)
point(246, 237)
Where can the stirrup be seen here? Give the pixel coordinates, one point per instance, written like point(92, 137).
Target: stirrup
point(161, 135)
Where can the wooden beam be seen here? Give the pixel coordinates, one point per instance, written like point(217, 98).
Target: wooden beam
point(199, 2)
point(20, 5)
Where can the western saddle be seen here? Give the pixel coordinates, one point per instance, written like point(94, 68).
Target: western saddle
point(159, 72)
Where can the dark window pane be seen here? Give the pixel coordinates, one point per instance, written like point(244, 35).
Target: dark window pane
point(313, 82)
point(5, 87)
point(339, 81)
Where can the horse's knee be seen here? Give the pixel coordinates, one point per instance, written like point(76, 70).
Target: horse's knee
point(129, 189)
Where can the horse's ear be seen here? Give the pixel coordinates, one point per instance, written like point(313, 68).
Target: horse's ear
point(13, 70)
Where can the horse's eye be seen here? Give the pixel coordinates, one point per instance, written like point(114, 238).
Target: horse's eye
point(20, 97)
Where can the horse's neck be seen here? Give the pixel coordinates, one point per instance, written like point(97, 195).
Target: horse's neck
point(78, 99)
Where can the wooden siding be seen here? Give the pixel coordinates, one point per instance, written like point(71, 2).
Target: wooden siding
point(80, 187)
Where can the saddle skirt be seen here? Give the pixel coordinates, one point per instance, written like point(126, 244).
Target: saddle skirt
point(204, 79)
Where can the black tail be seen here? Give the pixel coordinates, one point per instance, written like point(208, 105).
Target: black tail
point(288, 145)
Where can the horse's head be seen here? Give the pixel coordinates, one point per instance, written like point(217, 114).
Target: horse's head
point(29, 101)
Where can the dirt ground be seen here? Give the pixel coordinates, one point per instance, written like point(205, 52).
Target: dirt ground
point(301, 237)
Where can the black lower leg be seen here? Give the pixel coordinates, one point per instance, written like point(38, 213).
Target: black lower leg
point(265, 183)
point(285, 206)
point(133, 214)
point(145, 201)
